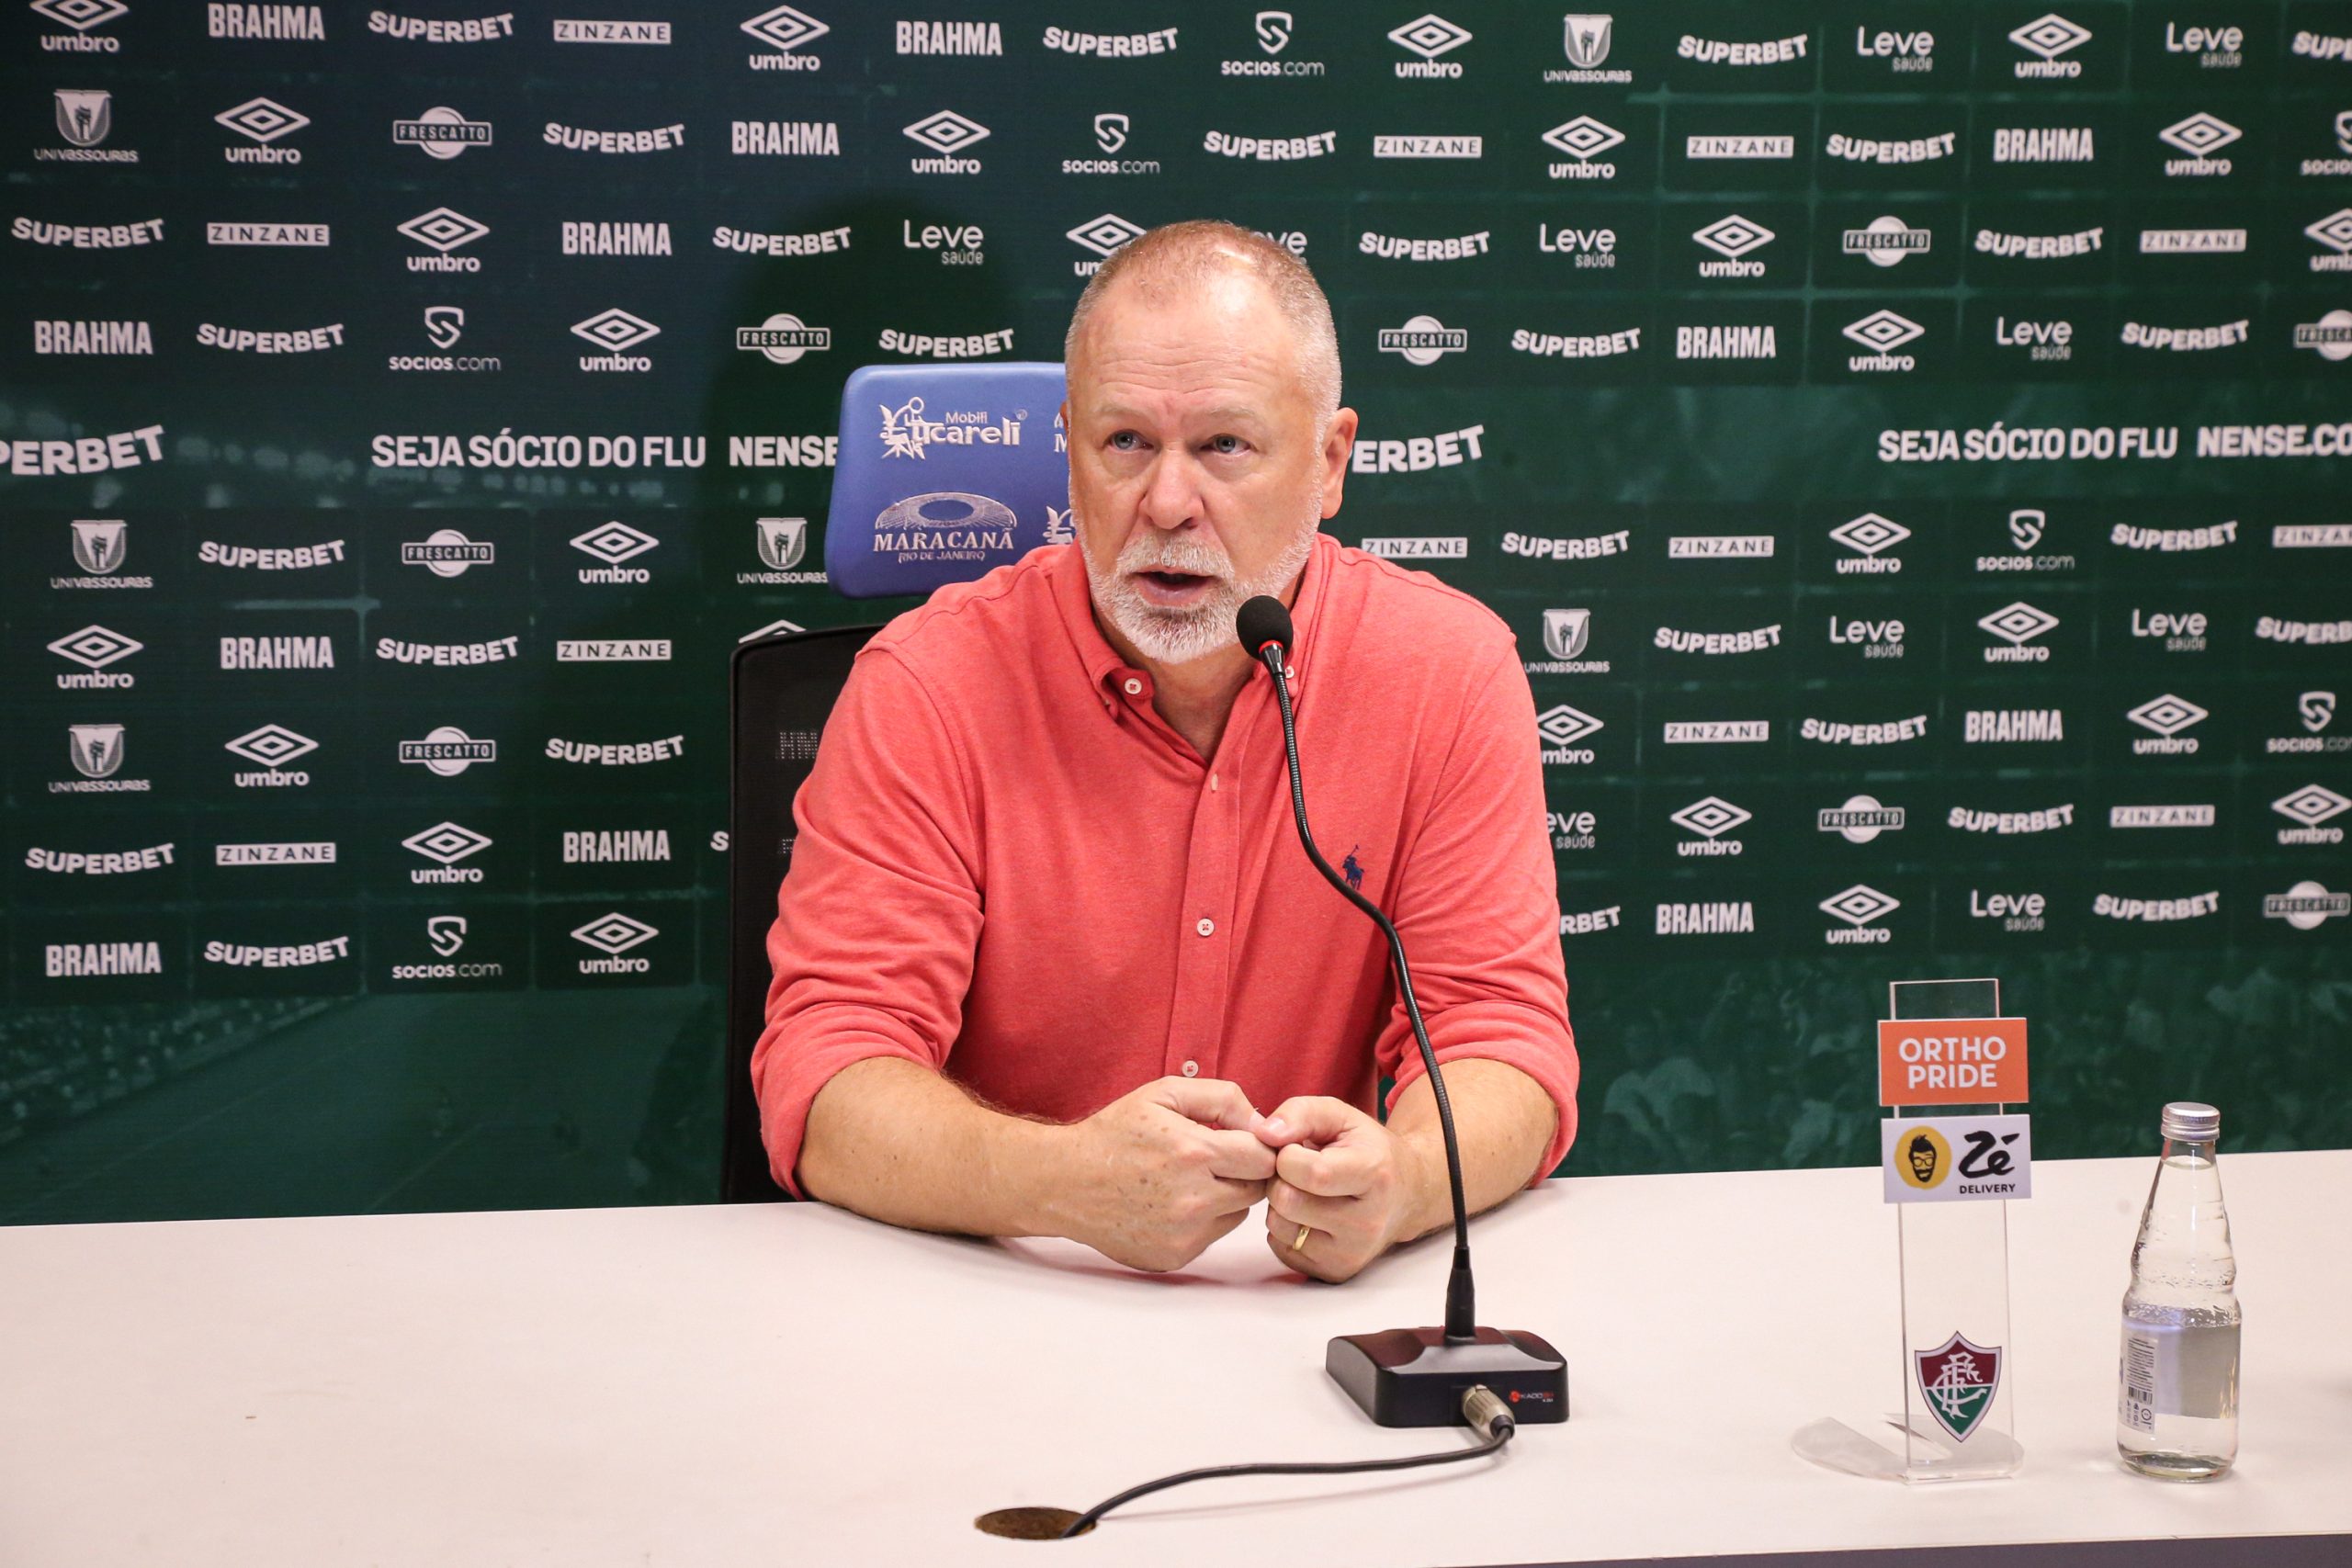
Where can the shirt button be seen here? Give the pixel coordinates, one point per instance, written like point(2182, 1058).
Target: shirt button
point(1134, 686)
point(1192, 1070)
point(1206, 927)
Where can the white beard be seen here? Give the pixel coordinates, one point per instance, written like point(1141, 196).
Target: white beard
point(1180, 635)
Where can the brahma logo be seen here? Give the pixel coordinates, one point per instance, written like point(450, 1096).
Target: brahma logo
point(2012, 725)
point(445, 843)
point(612, 934)
point(1428, 36)
point(1869, 537)
point(1583, 138)
point(616, 329)
point(264, 22)
point(1860, 819)
point(1423, 340)
point(1708, 820)
point(1883, 332)
point(1885, 241)
point(2044, 144)
point(2017, 625)
point(1715, 917)
point(784, 30)
point(784, 139)
point(2308, 807)
point(2167, 715)
point(1861, 907)
point(71, 336)
point(950, 38)
point(444, 230)
point(947, 134)
point(1558, 729)
point(2047, 38)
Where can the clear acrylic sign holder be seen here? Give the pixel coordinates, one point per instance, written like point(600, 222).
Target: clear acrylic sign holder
point(1958, 1394)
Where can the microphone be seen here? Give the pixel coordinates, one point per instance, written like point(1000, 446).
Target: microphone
point(1412, 1377)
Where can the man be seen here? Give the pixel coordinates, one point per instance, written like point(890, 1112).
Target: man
point(1049, 943)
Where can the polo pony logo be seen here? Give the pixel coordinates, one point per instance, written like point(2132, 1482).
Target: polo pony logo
point(1352, 869)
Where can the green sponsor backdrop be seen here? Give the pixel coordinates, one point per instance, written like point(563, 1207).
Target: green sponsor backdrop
point(1907, 440)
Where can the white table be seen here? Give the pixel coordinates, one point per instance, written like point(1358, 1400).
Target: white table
point(782, 1385)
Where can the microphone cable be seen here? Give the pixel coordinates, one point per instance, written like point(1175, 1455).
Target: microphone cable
point(1481, 1410)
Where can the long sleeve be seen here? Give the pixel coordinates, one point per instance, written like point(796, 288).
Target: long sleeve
point(879, 917)
point(1477, 910)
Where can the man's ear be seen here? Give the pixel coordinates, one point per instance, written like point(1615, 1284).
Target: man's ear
point(1339, 444)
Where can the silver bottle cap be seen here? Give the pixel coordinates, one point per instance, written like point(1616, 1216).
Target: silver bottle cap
point(2187, 1122)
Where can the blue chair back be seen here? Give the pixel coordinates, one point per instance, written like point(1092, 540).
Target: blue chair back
point(944, 472)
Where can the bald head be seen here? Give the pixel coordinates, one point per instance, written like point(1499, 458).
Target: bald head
point(1206, 257)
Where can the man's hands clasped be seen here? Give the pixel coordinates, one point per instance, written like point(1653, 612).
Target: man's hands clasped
point(1167, 1169)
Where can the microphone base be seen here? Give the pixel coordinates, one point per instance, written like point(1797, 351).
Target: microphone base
point(1411, 1377)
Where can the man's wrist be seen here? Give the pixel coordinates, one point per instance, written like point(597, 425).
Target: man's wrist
point(1430, 1201)
point(1024, 1170)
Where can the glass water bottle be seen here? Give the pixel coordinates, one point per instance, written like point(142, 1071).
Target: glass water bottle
point(2176, 1411)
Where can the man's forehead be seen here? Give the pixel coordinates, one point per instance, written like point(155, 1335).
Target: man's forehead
point(1209, 349)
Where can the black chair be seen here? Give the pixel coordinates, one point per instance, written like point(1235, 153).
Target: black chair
point(780, 690)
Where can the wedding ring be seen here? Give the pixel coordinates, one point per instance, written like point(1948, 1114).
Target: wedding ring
point(1300, 1245)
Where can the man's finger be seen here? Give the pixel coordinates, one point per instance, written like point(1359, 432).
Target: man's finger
point(1310, 1119)
point(1237, 1197)
point(1289, 1207)
point(1343, 1170)
point(1213, 1102)
point(1238, 1155)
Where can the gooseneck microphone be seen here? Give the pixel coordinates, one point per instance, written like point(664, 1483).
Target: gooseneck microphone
point(1411, 1377)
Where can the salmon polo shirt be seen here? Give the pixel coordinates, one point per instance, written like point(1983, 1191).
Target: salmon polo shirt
point(1010, 869)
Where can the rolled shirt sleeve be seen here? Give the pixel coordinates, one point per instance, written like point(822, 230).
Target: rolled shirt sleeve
point(878, 917)
point(1478, 908)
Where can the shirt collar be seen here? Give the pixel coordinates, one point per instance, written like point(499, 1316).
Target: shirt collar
point(1074, 595)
